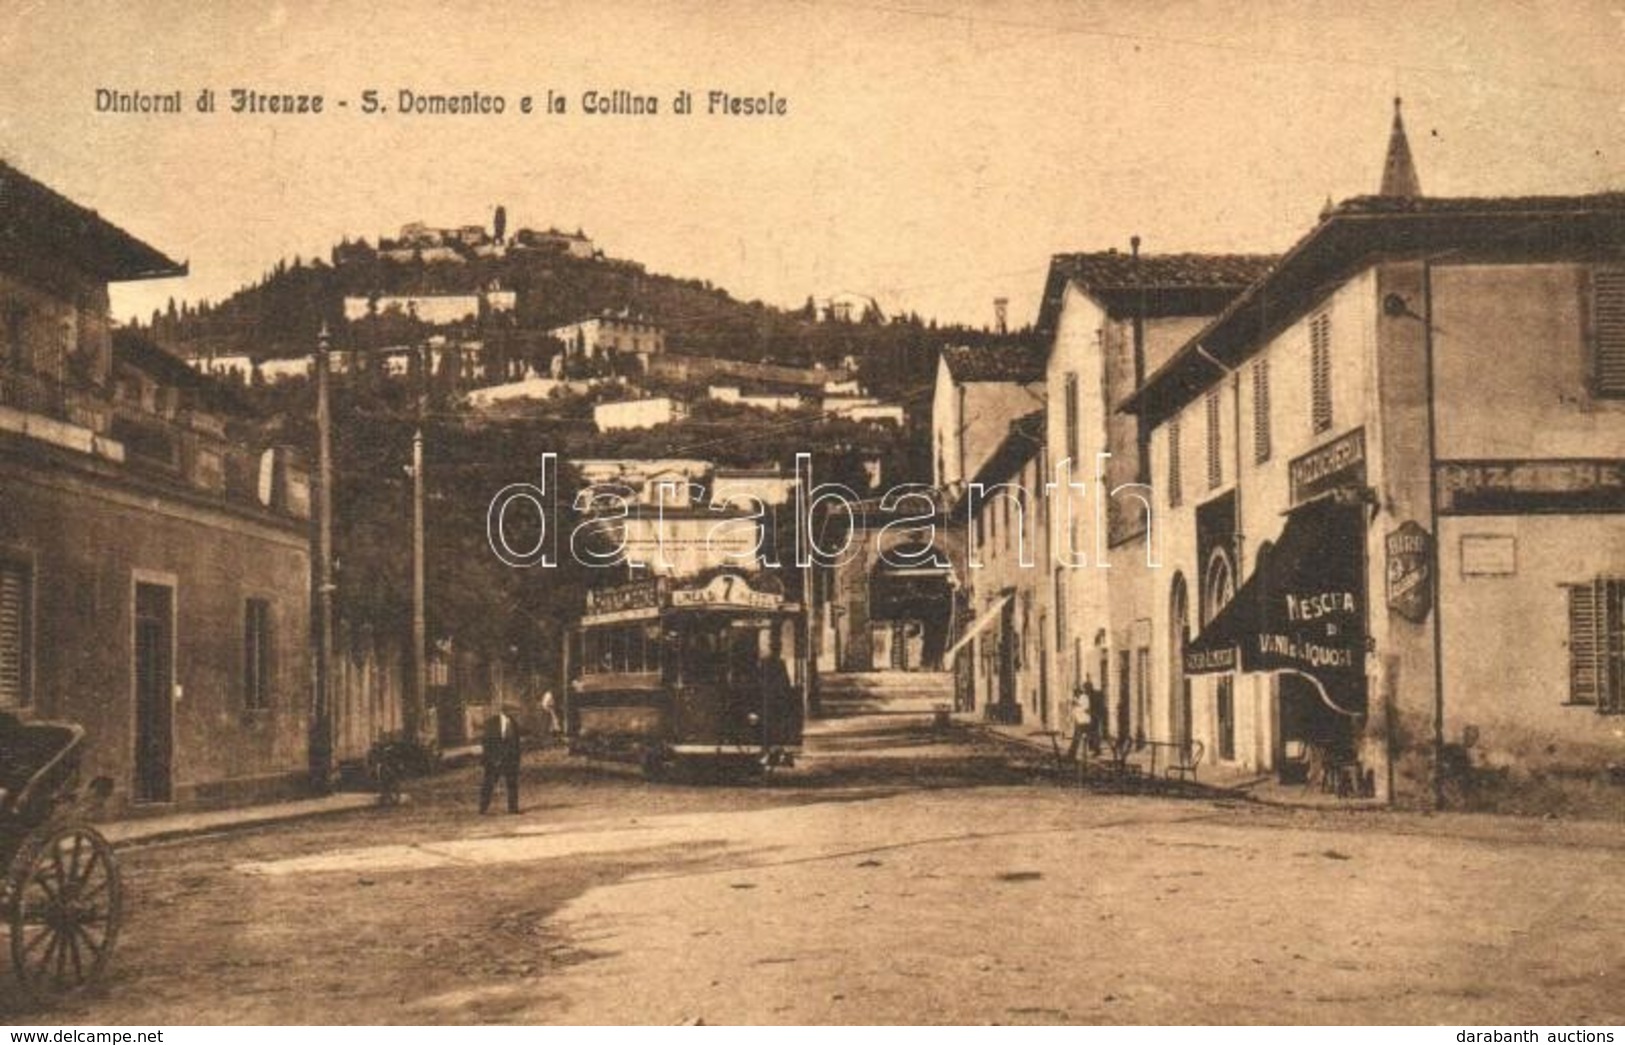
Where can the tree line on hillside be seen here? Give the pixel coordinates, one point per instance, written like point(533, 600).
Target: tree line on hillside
point(279, 315)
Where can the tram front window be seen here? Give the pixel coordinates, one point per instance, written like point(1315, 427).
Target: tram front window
point(743, 670)
point(702, 656)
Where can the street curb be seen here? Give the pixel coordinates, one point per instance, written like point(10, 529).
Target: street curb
point(147, 832)
point(1210, 792)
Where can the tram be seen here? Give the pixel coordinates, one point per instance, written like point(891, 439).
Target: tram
point(669, 673)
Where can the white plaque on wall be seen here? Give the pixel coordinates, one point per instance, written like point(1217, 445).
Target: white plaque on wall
point(1489, 555)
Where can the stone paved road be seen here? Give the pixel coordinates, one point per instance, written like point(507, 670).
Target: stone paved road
point(897, 877)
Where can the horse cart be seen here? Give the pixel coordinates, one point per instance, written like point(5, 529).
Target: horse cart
point(61, 893)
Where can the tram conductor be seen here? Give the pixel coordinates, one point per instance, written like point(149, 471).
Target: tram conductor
point(499, 752)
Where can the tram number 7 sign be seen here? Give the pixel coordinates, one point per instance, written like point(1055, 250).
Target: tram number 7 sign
point(726, 590)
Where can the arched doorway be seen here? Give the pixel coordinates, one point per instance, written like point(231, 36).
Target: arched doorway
point(1219, 588)
point(1179, 686)
point(910, 609)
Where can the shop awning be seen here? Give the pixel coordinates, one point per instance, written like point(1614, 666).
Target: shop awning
point(978, 625)
point(1215, 649)
point(1302, 610)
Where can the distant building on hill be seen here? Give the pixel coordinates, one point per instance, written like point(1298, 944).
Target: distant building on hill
point(576, 244)
point(638, 413)
point(614, 333)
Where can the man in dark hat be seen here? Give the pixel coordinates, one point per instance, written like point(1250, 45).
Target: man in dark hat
point(499, 751)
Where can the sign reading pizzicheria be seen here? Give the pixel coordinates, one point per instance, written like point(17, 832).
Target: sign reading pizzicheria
point(1330, 466)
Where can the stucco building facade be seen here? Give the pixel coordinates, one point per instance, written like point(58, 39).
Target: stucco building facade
point(154, 553)
point(1427, 397)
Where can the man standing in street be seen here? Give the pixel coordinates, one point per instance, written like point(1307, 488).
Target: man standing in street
point(499, 751)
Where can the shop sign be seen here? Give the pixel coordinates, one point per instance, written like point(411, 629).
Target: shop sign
point(1207, 661)
point(1336, 465)
point(1410, 571)
point(639, 595)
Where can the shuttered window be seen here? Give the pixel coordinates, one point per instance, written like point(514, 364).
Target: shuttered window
point(1175, 494)
point(1597, 645)
point(1320, 372)
point(256, 654)
point(1608, 332)
point(1071, 407)
point(1060, 611)
point(1215, 447)
point(1261, 411)
point(16, 638)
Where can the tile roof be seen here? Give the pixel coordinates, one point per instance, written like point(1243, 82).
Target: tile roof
point(1150, 285)
point(1367, 230)
point(34, 216)
point(1017, 362)
point(1110, 270)
point(1611, 202)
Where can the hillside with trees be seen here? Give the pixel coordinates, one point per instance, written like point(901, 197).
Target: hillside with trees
point(279, 315)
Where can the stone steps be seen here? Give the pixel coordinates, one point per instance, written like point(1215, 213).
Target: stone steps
point(884, 692)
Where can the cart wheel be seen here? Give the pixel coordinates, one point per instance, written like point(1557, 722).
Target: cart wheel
point(65, 895)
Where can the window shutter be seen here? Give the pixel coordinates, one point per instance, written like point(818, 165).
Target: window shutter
point(1261, 411)
point(1608, 331)
point(1320, 372)
point(1611, 669)
point(13, 635)
point(1174, 491)
point(1071, 407)
point(256, 653)
point(1215, 454)
point(1585, 645)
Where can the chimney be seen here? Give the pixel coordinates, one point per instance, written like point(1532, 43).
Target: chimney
point(1001, 308)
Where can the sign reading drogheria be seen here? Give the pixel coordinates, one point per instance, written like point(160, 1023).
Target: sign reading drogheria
point(1410, 571)
point(1334, 465)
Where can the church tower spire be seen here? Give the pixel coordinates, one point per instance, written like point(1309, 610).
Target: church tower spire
point(1398, 171)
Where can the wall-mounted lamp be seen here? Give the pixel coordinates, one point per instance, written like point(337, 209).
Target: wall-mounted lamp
point(1396, 307)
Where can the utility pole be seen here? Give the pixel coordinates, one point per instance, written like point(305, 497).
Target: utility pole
point(321, 725)
point(416, 707)
point(420, 667)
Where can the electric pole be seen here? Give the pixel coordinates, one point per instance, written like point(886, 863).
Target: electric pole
point(415, 710)
point(321, 725)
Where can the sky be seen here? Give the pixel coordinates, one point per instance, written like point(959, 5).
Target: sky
point(932, 155)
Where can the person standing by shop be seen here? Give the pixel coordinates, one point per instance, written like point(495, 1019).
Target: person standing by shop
point(1084, 729)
